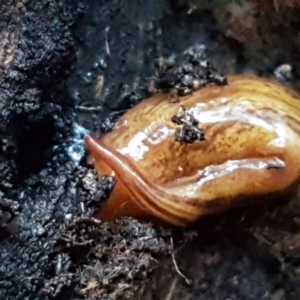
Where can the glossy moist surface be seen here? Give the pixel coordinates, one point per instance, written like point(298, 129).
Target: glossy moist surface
point(252, 144)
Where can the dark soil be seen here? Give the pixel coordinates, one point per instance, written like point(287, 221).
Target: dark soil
point(67, 69)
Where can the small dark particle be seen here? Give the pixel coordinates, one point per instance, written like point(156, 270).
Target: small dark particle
point(88, 78)
point(188, 130)
point(103, 64)
point(100, 64)
point(186, 73)
point(173, 96)
point(187, 80)
point(95, 65)
point(284, 72)
point(188, 68)
point(217, 78)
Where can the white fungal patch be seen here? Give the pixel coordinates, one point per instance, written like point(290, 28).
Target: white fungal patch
point(75, 147)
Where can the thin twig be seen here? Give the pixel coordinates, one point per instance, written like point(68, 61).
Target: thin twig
point(172, 290)
point(106, 41)
point(85, 108)
point(187, 280)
